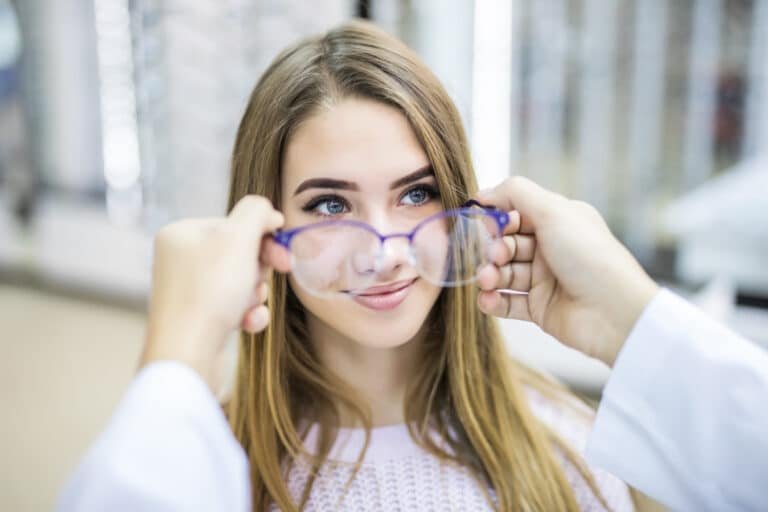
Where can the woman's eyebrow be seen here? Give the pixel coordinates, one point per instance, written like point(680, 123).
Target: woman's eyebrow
point(324, 183)
point(348, 185)
point(414, 176)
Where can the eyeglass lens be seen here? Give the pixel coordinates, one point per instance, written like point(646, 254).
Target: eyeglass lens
point(346, 259)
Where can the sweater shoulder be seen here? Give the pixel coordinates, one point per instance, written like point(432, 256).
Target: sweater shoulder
point(571, 420)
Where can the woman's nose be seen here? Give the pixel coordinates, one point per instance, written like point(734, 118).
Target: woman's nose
point(394, 255)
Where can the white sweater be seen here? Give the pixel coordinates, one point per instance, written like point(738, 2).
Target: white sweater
point(399, 475)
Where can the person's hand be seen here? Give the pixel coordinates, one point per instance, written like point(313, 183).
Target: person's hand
point(209, 278)
point(583, 287)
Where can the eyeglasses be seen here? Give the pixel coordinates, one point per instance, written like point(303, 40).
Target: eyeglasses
point(346, 257)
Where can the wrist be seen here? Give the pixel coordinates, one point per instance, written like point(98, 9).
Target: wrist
point(627, 313)
point(197, 364)
point(185, 343)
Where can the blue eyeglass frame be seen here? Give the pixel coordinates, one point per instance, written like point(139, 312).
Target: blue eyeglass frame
point(284, 237)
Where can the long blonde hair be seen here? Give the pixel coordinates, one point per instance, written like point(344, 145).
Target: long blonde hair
point(469, 391)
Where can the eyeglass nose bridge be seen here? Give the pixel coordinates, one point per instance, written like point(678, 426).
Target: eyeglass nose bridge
point(383, 245)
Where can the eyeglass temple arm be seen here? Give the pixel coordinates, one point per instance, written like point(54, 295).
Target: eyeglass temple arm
point(472, 202)
point(502, 218)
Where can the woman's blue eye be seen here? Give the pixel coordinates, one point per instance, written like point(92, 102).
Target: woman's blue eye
point(419, 195)
point(326, 206)
point(333, 207)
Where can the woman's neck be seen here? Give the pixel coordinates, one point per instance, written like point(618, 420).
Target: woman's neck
point(380, 375)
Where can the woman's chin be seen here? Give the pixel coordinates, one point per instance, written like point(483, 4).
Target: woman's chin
point(382, 340)
point(374, 330)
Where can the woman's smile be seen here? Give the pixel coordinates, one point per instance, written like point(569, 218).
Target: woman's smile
point(387, 297)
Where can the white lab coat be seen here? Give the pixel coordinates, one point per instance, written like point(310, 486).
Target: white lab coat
point(167, 447)
point(684, 415)
point(684, 419)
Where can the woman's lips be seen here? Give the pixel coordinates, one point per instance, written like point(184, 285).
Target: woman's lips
point(382, 298)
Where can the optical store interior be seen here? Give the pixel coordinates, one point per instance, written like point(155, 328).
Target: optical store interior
point(118, 117)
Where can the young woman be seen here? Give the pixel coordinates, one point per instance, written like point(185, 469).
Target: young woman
point(379, 383)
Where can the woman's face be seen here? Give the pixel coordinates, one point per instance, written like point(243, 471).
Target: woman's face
point(360, 160)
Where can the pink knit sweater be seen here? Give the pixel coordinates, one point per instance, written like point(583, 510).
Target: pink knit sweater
point(398, 475)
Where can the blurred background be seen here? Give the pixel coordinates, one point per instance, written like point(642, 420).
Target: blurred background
point(118, 116)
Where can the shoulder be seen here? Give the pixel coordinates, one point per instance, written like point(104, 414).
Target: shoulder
point(571, 420)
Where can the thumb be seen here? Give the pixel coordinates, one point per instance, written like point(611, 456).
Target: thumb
point(254, 216)
point(532, 201)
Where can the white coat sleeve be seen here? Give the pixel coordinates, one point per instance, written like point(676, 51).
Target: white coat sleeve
point(684, 415)
point(167, 447)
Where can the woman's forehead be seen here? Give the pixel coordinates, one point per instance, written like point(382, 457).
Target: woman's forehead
point(355, 140)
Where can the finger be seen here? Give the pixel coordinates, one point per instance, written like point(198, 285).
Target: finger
point(275, 255)
point(515, 193)
point(256, 216)
point(258, 296)
point(514, 276)
point(262, 293)
point(521, 194)
point(514, 223)
point(526, 225)
point(513, 248)
point(520, 280)
point(255, 319)
point(504, 305)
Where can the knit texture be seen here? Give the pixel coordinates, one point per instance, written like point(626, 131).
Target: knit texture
point(398, 475)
